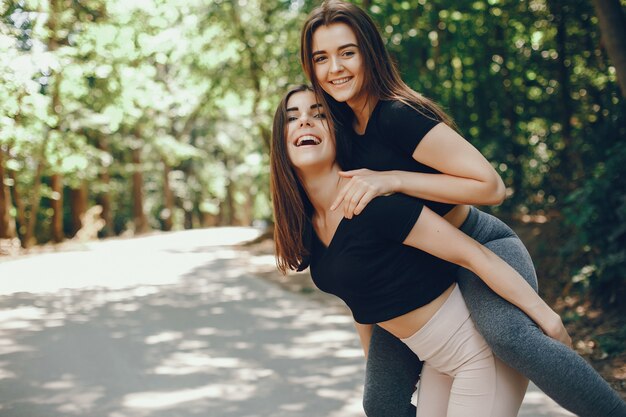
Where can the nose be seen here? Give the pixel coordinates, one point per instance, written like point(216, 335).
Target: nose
point(305, 120)
point(335, 65)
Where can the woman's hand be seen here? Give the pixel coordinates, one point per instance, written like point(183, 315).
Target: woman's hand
point(550, 322)
point(555, 329)
point(363, 187)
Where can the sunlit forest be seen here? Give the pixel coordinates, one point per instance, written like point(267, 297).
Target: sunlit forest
point(122, 117)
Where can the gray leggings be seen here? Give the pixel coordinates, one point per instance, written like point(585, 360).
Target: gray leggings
point(393, 370)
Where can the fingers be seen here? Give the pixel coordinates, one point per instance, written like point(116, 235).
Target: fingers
point(561, 335)
point(352, 173)
point(340, 197)
point(568, 340)
point(351, 200)
point(356, 194)
point(365, 200)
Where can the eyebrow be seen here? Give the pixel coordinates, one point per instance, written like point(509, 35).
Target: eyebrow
point(348, 45)
point(313, 107)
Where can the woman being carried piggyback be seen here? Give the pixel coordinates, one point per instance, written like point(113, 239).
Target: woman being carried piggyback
point(401, 142)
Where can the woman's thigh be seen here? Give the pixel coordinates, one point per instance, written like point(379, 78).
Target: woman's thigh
point(390, 376)
point(434, 393)
point(502, 324)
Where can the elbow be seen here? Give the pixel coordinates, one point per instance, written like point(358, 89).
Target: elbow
point(495, 191)
point(500, 191)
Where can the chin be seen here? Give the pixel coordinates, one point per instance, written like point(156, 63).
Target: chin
point(341, 97)
point(311, 164)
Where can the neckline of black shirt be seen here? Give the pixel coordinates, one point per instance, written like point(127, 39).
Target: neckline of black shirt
point(369, 121)
point(332, 239)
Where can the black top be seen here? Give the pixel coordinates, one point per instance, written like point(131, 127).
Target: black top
point(393, 132)
point(368, 267)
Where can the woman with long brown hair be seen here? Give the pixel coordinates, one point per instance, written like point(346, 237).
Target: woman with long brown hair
point(401, 142)
point(393, 265)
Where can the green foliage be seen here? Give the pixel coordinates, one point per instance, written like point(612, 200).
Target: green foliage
point(598, 212)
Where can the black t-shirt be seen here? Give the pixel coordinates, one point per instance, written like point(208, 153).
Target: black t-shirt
point(368, 267)
point(393, 132)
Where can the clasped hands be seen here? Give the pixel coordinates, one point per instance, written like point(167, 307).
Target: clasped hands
point(363, 187)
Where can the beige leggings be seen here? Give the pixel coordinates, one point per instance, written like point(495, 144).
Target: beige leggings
point(461, 377)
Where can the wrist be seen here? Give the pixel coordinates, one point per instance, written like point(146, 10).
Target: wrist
point(543, 315)
point(397, 183)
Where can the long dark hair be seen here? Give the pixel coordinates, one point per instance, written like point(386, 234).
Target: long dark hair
point(292, 208)
point(382, 79)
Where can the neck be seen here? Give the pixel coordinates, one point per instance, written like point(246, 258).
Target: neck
point(322, 187)
point(362, 108)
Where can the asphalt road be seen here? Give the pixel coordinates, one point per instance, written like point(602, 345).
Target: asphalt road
point(174, 325)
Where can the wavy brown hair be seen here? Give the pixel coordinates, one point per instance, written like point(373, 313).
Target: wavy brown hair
point(382, 79)
point(292, 208)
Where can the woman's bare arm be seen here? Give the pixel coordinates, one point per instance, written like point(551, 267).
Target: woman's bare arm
point(435, 235)
point(466, 176)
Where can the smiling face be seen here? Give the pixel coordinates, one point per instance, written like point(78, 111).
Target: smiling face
point(309, 142)
point(338, 63)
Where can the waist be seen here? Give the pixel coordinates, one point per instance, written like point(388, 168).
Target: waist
point(408, 324)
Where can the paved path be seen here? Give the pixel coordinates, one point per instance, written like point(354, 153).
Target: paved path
point(174, 325)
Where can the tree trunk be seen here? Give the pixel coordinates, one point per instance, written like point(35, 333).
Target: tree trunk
point(7, 224)
point(168, 211)
point(57, 207)
point(507, 109)
point(35, 201)
point(79, 202)
point(255, 68)
point(228, 215)
point(104, 198)
point(571, 166)
point(19, 207)
point(55, 110)
point(139, 217)
point(246, 214)
point(613, 29)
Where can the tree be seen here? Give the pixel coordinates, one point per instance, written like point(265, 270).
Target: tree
point(613, 26)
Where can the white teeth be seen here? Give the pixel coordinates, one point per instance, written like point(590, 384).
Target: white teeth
point(308, 140)
point(340, 81)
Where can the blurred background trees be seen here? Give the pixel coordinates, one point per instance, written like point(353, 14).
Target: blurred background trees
point(129, 116)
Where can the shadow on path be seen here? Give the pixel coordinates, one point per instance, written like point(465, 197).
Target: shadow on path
point(218, 343)
point(175, 326)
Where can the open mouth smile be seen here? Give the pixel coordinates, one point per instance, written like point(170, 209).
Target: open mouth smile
point(341, 81)
point(308, 140)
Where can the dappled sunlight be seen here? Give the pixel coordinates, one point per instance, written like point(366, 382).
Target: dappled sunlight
point(293, 407)
point(8, 346)
point(348, 353)
point(301, 352)
point(327, 337)
point(185, 363)
point(170, 257)
point(68, 398)
point(334, 394)
point(66, 381)
point(536, 403)
point(4, 373)
point(208, 331)
point(337, 319)
point(21, 318)
point(163, 337)
point(212, 341)
point(158, 400)
point(192, 344)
